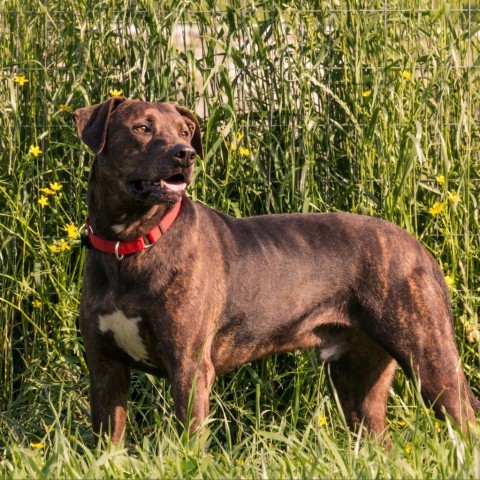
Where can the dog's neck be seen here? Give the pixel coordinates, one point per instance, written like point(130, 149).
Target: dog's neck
point(114, 218)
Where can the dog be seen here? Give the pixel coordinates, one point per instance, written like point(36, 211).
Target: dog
point(176, 289)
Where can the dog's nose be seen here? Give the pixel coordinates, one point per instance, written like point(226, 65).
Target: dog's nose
point(184, 155)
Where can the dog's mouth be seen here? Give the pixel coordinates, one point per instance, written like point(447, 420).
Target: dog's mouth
point(165, 189)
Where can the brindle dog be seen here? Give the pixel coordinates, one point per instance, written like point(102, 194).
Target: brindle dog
point(205, 292)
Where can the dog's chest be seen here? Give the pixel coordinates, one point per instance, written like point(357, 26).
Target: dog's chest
point(126, 333)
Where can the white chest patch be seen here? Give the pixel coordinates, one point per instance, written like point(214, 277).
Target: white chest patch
point(126, 333)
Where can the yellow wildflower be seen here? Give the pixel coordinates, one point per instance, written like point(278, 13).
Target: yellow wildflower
point(37, 445)
point(65, 107)
point(438, 428)
point(366, 93)
point(60, 246)
point(440, 179)
point(35, 150)
point(115, 93)
point(233, 147)
point(43, 201)
point(453, 197)
point(36, 304)
point(55, 186)
point(64, 245)
point(21, 80)
point(322, 421)
point(47, 191)
point(401, 423)
point(239, 137)
point(408, 448)
point(450, 281)
point(244, 151)
point(436, 208)
point(406, 75)
point(72, 231)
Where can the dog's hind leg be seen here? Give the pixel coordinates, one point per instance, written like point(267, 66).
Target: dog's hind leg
point(406, 311)
point(436, 365)
point(421, 339)
point(362, 377)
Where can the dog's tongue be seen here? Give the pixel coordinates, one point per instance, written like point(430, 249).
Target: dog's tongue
point(173, 186)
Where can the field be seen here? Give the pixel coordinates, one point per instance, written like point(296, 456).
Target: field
point(368, 107)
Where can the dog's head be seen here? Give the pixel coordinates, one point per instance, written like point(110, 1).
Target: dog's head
point(147, 150)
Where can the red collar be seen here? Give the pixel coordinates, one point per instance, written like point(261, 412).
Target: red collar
point(138, 244)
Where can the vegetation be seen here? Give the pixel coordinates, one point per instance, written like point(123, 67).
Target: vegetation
point(351, 105)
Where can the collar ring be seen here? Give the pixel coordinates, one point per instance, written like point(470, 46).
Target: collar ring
point(117, 255)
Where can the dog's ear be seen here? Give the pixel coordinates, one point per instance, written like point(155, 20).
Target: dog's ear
point(92, 122)
point(197, 134)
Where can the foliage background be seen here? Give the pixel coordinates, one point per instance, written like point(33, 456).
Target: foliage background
point(350, 105)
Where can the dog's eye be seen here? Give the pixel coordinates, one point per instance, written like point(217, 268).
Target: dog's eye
point(185, 133)
point(141, 129)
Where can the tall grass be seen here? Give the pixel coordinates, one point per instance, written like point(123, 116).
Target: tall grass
point(361, 106)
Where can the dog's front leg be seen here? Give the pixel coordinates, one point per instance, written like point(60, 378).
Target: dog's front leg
point(191, 384)
point(109, 387)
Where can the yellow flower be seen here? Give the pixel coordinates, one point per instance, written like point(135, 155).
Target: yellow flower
point(239, 137)
point(322, 421)
point(36, 304)
point(440, 179)
point(72, 231)
point(47, 191)
point(366, 93)
point(65, 107)
point(408, 448)
point(60, 246)
point(233, 147)
point(244, 151)
point(438, 428)
point(116, 93)
point(35, 150)
point(436, 208)
point(401, 423)
point(453, 197)
point(55, 186)
point(21, 80)
point(406, 75)
point(450, 281)
point(37, 445)
point(43, 201)
point(64, 245)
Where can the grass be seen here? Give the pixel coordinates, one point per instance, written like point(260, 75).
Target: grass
point(349, 106)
